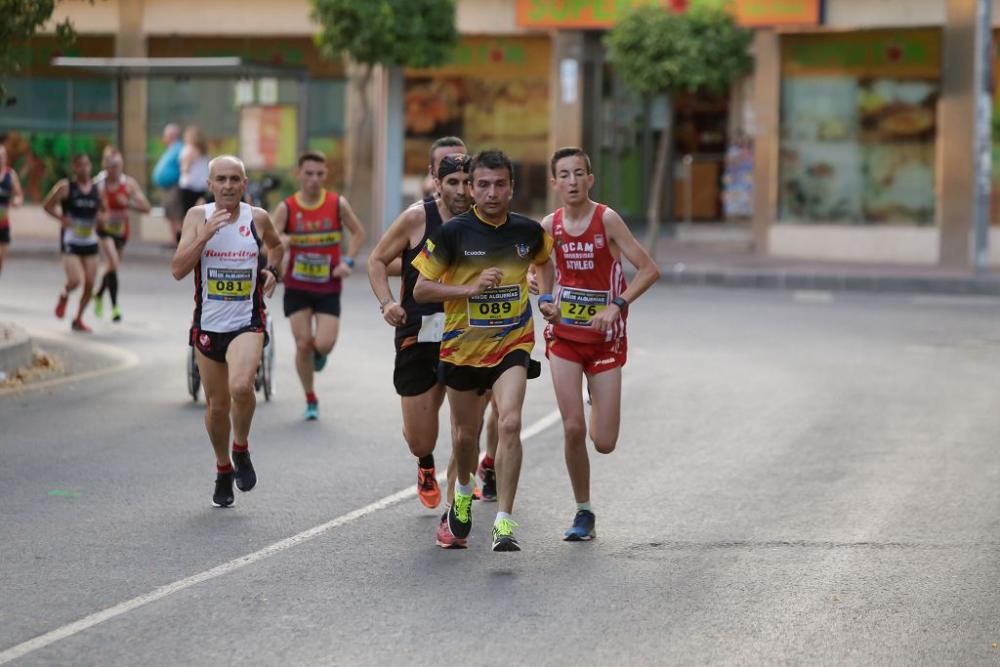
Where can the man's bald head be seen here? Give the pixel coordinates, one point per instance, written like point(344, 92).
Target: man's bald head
point(227, 161)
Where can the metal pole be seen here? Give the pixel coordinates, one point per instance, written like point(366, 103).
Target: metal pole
point(688, 161)
point(983, 136)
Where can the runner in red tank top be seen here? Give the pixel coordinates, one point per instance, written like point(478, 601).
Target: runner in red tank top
point(586, 313)
point(312, 223)
point(120, 193)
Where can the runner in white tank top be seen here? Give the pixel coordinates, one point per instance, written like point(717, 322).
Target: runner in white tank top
point(221, 243)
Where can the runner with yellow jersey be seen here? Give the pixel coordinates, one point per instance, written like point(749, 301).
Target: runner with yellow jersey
point(312, 223)
point(477, 264)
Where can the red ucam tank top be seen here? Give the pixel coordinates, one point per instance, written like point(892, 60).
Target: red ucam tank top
point(588, 277)
point(314, 236)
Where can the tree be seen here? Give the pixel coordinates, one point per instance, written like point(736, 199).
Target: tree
point(21, 20)
point(659, 51)
point(391, 33)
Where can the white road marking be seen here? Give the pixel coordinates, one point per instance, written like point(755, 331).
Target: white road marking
point(955, 300)
point(812, 296)
point(76, 627)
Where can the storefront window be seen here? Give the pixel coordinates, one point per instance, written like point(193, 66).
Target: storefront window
point(52, 120)
point(858, 127)
point(494, 94)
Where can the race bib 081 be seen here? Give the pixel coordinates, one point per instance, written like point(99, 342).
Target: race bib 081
point(230, 284)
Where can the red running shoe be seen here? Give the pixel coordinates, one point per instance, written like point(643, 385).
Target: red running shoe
point(78, 325)
point(427, 488)
point(61, 306)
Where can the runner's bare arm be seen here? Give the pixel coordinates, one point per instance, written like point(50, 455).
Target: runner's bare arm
point(280, 217)
point(648, 273)
point(430, 291)
point(358, 234)
point(15, 186)
point(137, 198)
point(386, 252)
point(195, 233)
point(275, 248)
point(54, 199)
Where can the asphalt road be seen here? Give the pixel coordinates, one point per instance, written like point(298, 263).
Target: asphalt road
point(801, 478)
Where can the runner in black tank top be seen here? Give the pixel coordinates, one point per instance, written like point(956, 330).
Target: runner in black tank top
point(10, 195)
point(418, 327)
point(77, 205)
point(415, 312)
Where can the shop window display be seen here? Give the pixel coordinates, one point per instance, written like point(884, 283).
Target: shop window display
point(858, 150)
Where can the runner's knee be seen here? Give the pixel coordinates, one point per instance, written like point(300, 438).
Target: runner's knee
point(216, 409)
point(575, 430)
point(510, 426)
point(305, 344)
point(604, 444)
point(241, 390)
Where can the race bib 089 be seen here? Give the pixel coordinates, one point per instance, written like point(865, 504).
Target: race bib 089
point(578, 306)
point(496, 307)
point(230, 284)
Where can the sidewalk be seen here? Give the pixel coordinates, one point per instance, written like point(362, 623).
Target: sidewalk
point(689, 261)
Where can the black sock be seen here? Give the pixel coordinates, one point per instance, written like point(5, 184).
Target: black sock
point(111, 278)
point(426, 461)
point(104, 285)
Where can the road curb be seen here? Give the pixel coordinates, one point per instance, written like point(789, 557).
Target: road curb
point(679, 274)
point(15, 348)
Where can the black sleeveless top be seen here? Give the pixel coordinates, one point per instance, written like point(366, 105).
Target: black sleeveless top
point(6, 189)
point(79, 205)
point(415, 311)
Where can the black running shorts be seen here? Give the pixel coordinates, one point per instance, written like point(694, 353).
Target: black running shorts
point(297, 299)
point(214, 345)
point(416, 370)
point(474, 378)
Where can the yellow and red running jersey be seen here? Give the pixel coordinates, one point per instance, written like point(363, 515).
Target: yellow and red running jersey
point(481, 330)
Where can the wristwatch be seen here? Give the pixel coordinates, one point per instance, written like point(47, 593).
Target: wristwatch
point(349, 261)
point(620, 302)
point(274, 272)
point(383, 304)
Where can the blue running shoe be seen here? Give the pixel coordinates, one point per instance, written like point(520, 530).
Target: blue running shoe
point(583, 527)
point(312, 412)
point(319, 361)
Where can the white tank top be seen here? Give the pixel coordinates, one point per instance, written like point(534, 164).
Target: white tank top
point(197, 176)
point(228, 290)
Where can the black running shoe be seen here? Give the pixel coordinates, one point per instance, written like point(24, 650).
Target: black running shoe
point(246, 477)
point(503, 536)
point(223, 496)
point(460, 516)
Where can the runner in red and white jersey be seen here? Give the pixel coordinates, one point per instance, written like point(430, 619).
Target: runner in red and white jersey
point(586, 313)
point(121, 193)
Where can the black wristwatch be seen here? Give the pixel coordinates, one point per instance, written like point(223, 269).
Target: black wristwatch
point(274, 272)
point(620, 302)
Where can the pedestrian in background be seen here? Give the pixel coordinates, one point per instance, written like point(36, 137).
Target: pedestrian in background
point(166, 176)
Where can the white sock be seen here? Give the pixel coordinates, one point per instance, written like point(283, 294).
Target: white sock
point(500, 517)
point(580, 507)
point(463, 489)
